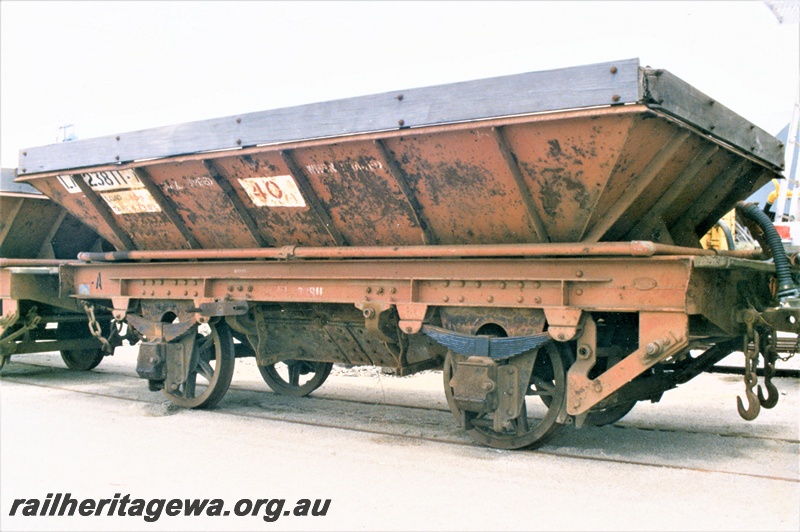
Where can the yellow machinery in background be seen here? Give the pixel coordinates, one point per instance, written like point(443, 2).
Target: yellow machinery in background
point(722, 235)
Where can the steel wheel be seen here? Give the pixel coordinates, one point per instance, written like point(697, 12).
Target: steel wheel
point(609, 415)
point(82, 359)
point(79, 359)
point(547, 380)
point(211, 371)
point(295, 377)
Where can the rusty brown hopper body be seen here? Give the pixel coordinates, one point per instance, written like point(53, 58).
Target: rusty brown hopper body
point(603, 152)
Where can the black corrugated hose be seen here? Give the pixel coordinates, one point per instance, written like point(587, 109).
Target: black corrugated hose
point(786, 286)
point(728, 235)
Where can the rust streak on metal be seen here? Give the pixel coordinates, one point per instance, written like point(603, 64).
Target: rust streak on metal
point(525, 193)
point(394, 170)
point(635, 189)
point(238, 204)
point(104, 211)
point(166, 206)
point(311, 196)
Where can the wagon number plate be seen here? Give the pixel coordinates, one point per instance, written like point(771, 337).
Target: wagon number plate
point(120, 189)
point(103, 181)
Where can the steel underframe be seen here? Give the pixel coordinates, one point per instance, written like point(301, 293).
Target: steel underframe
point(660, 289)
point(596, 284)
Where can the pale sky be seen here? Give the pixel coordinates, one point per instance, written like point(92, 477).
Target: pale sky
point(112, 67)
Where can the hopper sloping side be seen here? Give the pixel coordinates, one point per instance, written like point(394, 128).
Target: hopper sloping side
point(612, 173)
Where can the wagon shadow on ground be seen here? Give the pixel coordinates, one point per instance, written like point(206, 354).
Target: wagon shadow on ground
point(619, 442)
point(397, 417)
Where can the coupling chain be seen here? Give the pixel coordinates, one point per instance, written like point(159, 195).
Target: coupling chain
point(95, 329)
point(790, 355)
point(750, 374)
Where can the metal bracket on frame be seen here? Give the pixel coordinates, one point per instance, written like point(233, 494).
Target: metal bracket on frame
point(661, 335)
point(373, 312)
point(563, 323)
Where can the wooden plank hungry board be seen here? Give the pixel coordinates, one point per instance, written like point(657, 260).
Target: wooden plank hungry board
point(567, 88)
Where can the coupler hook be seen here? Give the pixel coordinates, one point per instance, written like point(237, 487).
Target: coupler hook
point(770, 353)
point(750, 376)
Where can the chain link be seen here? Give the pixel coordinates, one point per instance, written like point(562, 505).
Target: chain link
point(95, 329)
point(750, 375)
point(791, 354)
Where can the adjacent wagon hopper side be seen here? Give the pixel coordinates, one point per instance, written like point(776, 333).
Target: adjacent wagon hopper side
point(34, 227)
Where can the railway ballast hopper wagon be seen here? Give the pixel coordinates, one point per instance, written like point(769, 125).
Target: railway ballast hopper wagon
point(536, 236)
